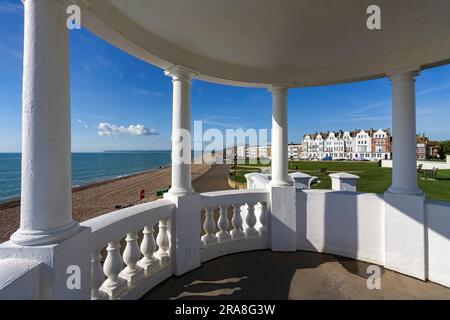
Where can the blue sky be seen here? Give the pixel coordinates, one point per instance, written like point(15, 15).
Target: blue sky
point(110, 86)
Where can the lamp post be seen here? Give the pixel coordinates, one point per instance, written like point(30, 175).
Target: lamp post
point(235, 171)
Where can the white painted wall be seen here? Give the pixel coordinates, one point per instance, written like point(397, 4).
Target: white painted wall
point(352, 225)
point(426, 164)
point(349, 224)
point(438, 246)
point(20, 279)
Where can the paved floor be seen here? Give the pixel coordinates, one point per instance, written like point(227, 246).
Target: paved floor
point(299, 275)
point(215, 179)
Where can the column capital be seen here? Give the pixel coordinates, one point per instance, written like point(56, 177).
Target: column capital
point(180, 73)
point(279, 89)
point(403, 74)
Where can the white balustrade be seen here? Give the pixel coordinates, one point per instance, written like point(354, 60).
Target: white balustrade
point(249, 221)
point(137, 269)
point(114, 286)
point(237, 232)
point(163, 242)
point(251, 231)
point(263, 219)
point(148, 247)
point(132, 272)
point(97, 277)
point(223, 234)
point(140, 266)
point(148, 261)
point(209, 226)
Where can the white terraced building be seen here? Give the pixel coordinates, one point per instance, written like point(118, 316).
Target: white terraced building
point(265, 152)
point(276, 45)
point(254, 152)
point(348, 145)
point(294, 151)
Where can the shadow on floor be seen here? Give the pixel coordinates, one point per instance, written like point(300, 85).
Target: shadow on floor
point(297, 275)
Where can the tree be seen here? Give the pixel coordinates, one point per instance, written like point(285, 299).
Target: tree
point(444, 148)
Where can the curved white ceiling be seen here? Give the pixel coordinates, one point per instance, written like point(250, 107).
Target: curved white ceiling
point(300, 42)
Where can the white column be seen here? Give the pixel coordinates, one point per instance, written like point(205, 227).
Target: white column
point(280, 176)
point(181, 130)
point(404, 225)
point(46, 207)
point(404, 173)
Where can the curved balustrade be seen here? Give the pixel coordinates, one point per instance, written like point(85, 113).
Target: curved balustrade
point(131, 250)
point(135, 270)
point(136, 259)
point(247, 212)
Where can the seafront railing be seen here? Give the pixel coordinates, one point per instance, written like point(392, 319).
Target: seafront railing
point(247, 210)
point(124, 254)
point(131, 272)
point(132, 249)
point(127, 259)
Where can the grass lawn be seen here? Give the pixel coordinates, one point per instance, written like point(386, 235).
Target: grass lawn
point(243, 169)
point(372, 178)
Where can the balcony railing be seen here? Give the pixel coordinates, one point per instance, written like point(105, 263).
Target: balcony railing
point(248, 229)
point(134, 249)
point(131, 249)
point(129, 273)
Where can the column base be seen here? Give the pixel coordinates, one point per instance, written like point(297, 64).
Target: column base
point(68, 261)
point(283, 219)
point(405, 190)
point(405, 242)
point(39, 238)
point(279, 183)
point(186, 229)
point(181, 191)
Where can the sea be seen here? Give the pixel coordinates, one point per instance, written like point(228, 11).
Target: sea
point(86, 167)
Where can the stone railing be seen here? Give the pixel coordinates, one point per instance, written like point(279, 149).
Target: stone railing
point(124, 254)
point(130, 267)
point(247, 210)
point(257, 180)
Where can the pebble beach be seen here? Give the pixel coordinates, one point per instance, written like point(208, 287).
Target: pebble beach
point(102, 197)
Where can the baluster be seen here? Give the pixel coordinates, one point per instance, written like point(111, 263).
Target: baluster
point(250, 231)
point(263, 219)
point(148, 247)
point(97, 277)
point(209, 226)
point(163, 242)
point(223, 234)
point(237, 232)
point(114, 286)
point(132, 273)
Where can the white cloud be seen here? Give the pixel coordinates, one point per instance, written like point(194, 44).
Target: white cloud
point(443, 87)
point(222, 124)
point(83, 124)
point(108, 129)
point(144, 92)
point(8, 7)
point(11, 51)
